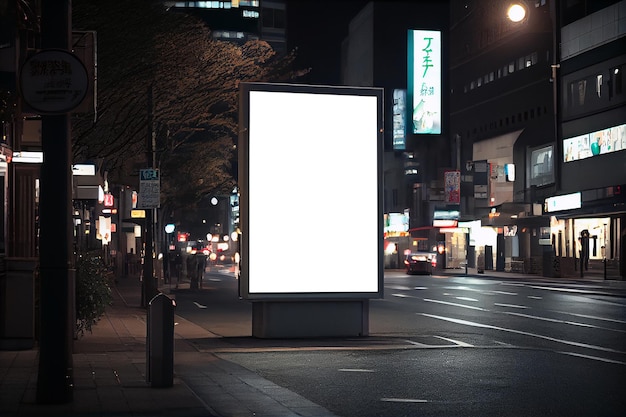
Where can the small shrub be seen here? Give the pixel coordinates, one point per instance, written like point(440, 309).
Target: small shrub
point(93, 293)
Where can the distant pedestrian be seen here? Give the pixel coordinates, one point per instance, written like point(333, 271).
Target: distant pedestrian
point(178, 265)
point(200, 266)
point(191, 272)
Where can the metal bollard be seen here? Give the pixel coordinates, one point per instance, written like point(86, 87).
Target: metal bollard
point(160, 341)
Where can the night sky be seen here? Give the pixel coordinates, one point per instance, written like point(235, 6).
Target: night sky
point(317, 28)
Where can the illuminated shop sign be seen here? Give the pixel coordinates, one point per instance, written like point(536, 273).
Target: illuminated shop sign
point(424, 73)
point(396, 224)
point(599, 142)
point(445, 223)
point(452, 187)
point(399, 119)
point(446, 214)
point(563, 202)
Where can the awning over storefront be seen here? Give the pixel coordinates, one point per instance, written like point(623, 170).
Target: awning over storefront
point(506, 214)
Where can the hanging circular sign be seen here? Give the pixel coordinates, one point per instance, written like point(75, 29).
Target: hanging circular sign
point(53, 81)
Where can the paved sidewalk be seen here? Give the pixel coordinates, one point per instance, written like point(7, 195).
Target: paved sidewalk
point(110, 375)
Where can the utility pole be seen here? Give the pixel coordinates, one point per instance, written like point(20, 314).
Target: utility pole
point(55, 374)
point(149, 285)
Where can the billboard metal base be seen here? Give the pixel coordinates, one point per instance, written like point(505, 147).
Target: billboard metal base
point(309, 319)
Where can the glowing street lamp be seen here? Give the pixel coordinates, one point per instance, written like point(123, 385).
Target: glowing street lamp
point(516, 12)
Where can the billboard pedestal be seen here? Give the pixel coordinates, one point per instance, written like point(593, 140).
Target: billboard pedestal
point(309, 319)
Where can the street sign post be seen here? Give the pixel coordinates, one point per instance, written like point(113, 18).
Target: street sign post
point(149, 189)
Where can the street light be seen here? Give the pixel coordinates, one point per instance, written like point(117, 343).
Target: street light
point(516, 12)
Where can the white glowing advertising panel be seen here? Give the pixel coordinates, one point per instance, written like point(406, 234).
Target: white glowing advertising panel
point(563, 202)
point(310, 156)
point(424, 83)
point(595, 143)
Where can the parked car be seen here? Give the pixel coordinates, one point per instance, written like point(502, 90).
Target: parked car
point(420, 263)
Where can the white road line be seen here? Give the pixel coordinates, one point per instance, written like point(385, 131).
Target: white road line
point(528, 316)
point(398, 287)
point(509, 305)
point(454, 304)
point(482, 291)
point(504, 292)
point(199, 305)
point(535, 297)
point(403, 400)
point(591, 326)
point(456, 342)
point(355, 370)
point(558, 289)
point(595, 358)
point(402, 295)
point(585, 316)
point(422, 345)
point(539, 336)
point(420, 288)
point(467, 299)
point(571, 323)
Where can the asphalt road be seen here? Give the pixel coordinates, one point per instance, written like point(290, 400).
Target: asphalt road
point(443, 346)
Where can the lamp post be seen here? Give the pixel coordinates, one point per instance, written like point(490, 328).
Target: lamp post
point(55, 372)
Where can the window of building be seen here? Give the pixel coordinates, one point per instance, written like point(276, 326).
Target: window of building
point(577, 92)
point(512, 67)
point(616, 79)
point(541, 166)
point(273, 18)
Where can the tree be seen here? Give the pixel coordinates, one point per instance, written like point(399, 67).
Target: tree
point(93, 292)
point(162, 72)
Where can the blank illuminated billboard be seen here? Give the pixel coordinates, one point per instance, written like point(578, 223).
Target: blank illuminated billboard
point(424, 83)
point(310, 169)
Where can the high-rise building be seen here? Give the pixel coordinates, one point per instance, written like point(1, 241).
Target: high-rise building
point(241, 20)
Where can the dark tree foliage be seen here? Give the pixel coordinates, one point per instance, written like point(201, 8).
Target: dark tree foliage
point(161, 72)
point(93, 292)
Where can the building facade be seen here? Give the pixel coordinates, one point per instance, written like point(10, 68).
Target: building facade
point(528, 101)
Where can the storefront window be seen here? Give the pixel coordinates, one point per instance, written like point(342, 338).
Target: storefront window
point(598, 231)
